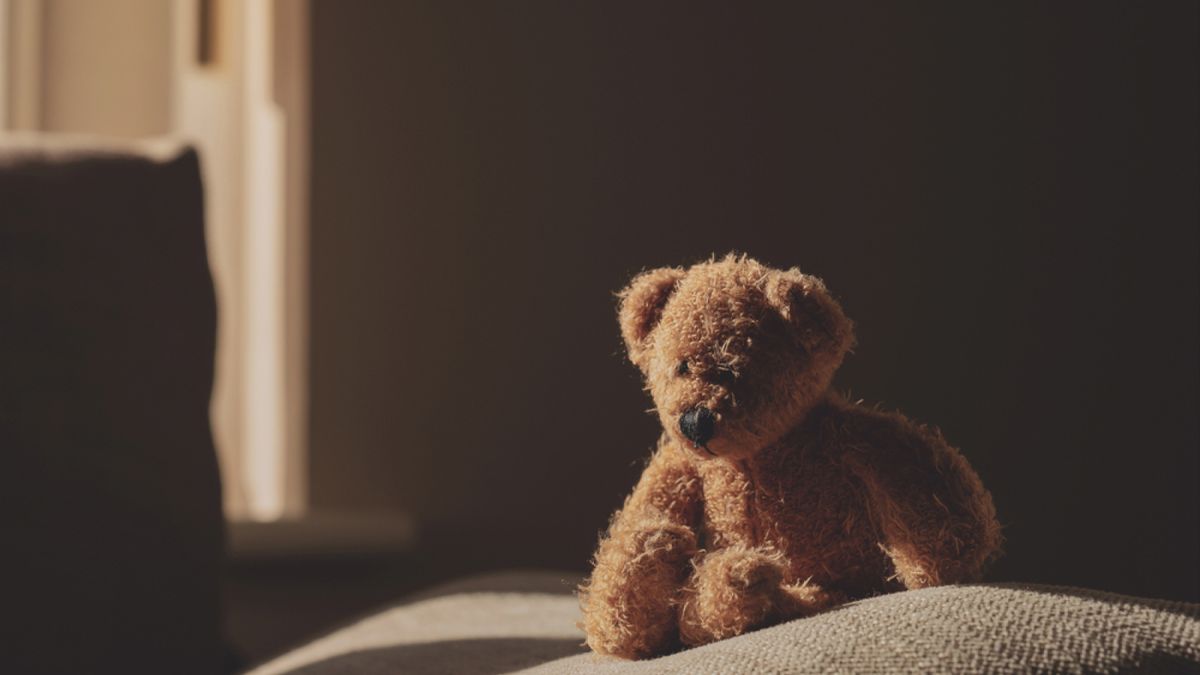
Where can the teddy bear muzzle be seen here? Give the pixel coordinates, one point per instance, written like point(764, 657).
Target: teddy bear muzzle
point(698, 425)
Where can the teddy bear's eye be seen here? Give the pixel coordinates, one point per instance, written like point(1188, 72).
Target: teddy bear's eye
point(682, 368)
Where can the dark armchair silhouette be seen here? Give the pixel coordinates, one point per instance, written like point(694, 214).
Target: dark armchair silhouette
point(111, 497)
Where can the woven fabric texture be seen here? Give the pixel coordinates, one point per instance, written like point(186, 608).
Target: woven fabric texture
point(1001, 628)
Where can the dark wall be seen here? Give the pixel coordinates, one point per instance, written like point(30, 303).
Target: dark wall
point(1003, 197)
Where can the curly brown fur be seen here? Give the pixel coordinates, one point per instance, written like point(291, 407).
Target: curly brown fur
point(800, 500)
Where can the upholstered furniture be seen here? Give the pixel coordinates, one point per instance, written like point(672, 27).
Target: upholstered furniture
point(526, 623)
point(111, 502)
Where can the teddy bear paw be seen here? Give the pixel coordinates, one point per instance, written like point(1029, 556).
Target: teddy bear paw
point(662, 543)
point(733, 590)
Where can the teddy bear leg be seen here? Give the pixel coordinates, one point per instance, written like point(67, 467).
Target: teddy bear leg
point(733, 590)
point(629, 604)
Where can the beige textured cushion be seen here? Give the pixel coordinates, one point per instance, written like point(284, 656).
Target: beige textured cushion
point(528, 625)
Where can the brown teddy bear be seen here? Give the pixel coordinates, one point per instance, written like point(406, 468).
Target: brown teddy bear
point(769, 496)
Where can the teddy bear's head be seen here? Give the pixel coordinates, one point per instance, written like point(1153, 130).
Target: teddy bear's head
point(734, 353)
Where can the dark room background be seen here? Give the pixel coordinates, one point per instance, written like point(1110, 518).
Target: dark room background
point(1003, 197)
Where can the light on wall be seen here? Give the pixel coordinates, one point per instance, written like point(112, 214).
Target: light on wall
point(241, 95)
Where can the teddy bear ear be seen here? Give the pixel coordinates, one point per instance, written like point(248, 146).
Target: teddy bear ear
point(642, 304)
point(805, 303)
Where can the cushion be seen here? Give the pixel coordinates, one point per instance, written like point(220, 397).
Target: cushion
point(112, 504)
point(526, 623)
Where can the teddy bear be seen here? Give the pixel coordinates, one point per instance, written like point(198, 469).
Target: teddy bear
point(769, 496)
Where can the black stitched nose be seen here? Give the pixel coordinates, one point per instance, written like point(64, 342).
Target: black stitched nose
point(697, 424)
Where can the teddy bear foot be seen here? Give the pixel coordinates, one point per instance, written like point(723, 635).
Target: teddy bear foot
point(629, 603)
point(733, 590)
point(805, 599)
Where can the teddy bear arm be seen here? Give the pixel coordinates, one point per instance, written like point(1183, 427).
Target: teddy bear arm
point(629, 603)
point(936, 520)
